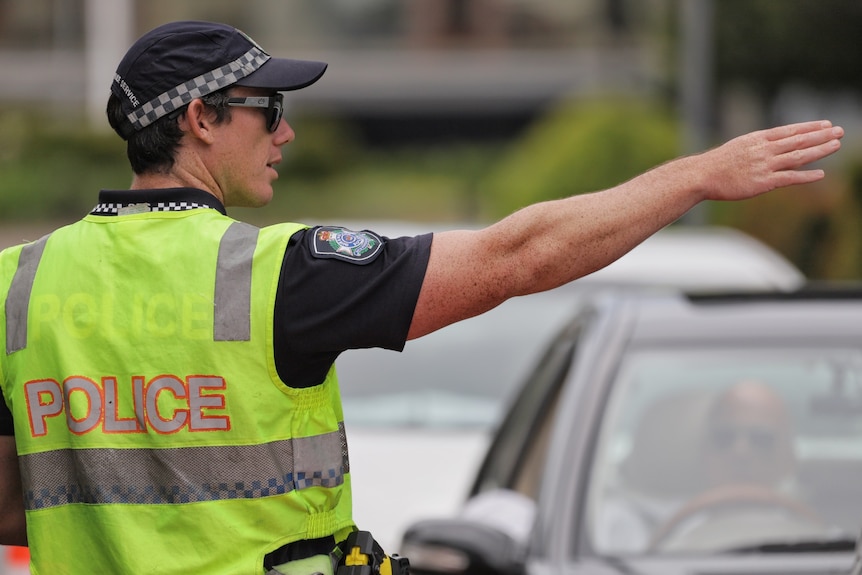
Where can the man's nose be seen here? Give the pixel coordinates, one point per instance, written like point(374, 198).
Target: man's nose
point(284, 133)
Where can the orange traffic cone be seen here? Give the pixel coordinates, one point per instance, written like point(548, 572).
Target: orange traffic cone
point(17, 561)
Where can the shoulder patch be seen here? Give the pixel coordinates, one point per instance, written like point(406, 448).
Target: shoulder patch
point(343, 244)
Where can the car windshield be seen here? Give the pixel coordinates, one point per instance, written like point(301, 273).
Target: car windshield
point(728, 449)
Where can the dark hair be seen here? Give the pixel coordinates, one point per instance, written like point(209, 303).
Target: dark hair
point(153, 149)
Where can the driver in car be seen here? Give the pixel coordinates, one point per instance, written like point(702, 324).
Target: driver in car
point(743, 456)
point(749, 439)
point(749, 466)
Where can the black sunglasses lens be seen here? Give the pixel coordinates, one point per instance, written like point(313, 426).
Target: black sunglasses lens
point(276, 110)
point(726, 438)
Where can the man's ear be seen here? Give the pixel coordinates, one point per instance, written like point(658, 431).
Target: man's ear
point(198, 121)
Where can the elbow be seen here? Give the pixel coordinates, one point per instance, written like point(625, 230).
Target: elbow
point(534, 275)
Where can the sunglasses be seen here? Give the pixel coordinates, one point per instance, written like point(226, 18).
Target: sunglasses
point(759, 439)
point(273, 107)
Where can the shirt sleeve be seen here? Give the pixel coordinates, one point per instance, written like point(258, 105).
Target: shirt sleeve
point(327, 304)
point(6, 427)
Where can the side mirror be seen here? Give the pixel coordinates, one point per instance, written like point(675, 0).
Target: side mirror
point(489, 537)
point(460, 546)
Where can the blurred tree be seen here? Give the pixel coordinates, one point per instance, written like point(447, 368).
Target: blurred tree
point(580, 146)
point(767, 44)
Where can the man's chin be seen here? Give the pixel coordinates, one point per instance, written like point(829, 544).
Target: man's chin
point(257, 199)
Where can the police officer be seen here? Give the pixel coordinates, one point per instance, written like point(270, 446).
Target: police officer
point(167, 370)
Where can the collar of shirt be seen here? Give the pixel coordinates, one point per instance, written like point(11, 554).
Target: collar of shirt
point(121, 202)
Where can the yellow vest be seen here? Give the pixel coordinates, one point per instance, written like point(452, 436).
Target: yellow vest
point(153, 432)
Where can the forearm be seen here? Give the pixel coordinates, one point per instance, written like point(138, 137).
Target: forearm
point(552, 243)
point(546, 245)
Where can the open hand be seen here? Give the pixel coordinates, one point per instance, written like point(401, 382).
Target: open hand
point(761, 161)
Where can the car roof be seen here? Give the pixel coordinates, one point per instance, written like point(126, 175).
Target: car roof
point(702, 258)
point(823, 311)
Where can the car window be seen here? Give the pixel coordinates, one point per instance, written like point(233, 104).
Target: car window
point(521, 440)
point(709, 450)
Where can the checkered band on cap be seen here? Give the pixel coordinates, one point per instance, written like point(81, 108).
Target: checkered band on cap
point(196, 87)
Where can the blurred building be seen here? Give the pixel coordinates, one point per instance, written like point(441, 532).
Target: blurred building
point(401, 69)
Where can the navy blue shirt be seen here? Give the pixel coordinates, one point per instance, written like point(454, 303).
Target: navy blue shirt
point(338, 290)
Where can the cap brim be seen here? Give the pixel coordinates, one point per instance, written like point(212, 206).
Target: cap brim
point(284, 74)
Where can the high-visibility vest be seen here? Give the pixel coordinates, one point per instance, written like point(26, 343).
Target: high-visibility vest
point(153, 432)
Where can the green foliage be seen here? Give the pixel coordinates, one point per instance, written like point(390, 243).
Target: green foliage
point(816, 226)
point(767, 44)
point(50, 172)
point(323, 146)
point(578, 147)
point(419, 184)
point(53, 171)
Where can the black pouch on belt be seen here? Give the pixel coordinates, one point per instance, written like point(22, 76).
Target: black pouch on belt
point(299, 550)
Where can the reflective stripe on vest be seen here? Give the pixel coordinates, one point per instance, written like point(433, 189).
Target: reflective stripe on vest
point(18, 297)
point(183, 475)
point(232, 298)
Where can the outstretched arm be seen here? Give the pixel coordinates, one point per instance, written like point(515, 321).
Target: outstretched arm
point(12, 525)
point(551, 243)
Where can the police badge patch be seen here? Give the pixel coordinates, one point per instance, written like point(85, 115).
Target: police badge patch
point(341, 243)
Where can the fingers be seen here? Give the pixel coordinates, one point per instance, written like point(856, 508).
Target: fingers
point(802, 148)
point(802, 136)
point(795, 177)
point(789, 130)
point(808, 148)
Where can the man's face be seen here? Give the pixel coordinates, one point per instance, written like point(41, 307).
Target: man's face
point(747, 440)
point(245, 153)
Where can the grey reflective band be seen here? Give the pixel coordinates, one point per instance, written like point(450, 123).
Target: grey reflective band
point(204, 84)
point(18, 297)
point(232, 297)
point(185, 474)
